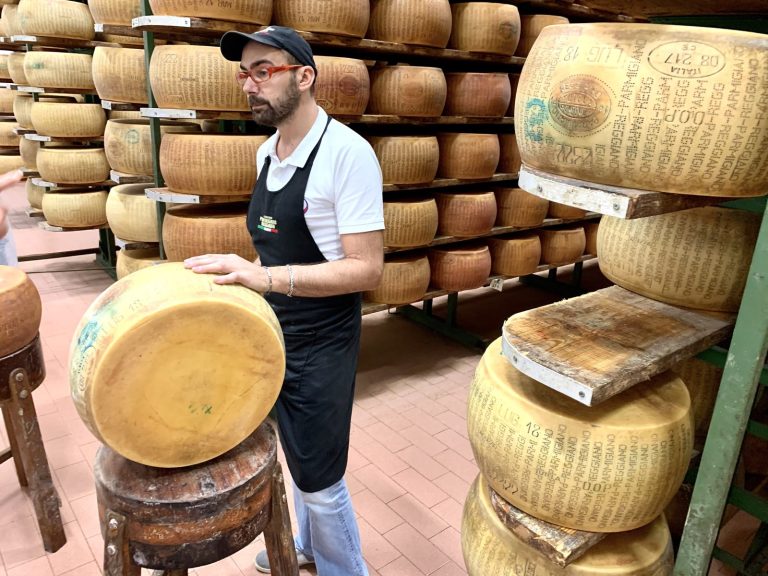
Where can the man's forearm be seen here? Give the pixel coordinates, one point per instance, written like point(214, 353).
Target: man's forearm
point(327, 278)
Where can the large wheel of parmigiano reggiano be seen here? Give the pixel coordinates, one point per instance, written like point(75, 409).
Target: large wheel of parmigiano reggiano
point(22, 106)
point(509, 155)
point(515, 255)
point(119, 74)
point(10, 21)
point(129, 260)
point(343, 85)
point(405, 279)
point(59, 70)
point(558, 210)
point(407, 91)
point(703, 381)
point(458, 268)
point(209, 164)
point(56, 18)
point(605, 468)
point(5, 73)
point(477, 94)
point(407, 159)
point(159, 390)
point(125, 115)
point(196, 77)
point(8, 138)
point(28, 151)
point(419, 22)
point(16, 68)
point(513, 81)
point(68, 120)
point(668, 108)
point(491, 548)
point(409, 223)
point(34, 194)
point(22, 310)
point(485, 27)
point(75, 209)
point(465, 214)
point(468, 156)
point(131, 215)
point(73, 165)
point(128, 143)
point(696, 258)
point(560, 246)
point(115, 12)
point(248, 11)
point(343, 17)
point(10, 162)
point(590, 232)
point(195, 230)
point(516, 207)
point(531, 26)
point(6, 101)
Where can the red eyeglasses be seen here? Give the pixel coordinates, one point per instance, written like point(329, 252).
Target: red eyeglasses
point(263, 73)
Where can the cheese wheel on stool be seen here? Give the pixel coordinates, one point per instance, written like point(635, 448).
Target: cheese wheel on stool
point(22, 310)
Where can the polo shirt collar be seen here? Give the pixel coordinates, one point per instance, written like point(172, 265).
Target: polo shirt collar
point(301, 154)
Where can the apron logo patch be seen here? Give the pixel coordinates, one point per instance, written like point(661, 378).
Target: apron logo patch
point(268, 224)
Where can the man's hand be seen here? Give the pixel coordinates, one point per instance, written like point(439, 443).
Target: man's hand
point(232, 269)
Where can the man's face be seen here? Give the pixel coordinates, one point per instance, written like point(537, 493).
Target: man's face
point(273, 101)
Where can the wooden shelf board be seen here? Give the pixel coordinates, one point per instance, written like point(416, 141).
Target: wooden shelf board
point(8, 85)
point(70, 187)
point(117, 29)
point(449, 182)
point(650, 8)
point(579, 10)
point(625, 203)
point(41, 90)
point(123, 178)
point(32, 135)
point(165, 195)
point(33, 212)
point(30, 173)
point(23, 131)
point(54, 42)
point(595, 346)
point(51, 228)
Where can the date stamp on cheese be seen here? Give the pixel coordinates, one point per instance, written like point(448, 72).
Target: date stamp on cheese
point(580, 104)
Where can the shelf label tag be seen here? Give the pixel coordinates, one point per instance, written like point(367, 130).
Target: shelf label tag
point(497, 284)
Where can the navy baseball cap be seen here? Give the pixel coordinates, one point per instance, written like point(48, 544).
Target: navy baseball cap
point(232, 44)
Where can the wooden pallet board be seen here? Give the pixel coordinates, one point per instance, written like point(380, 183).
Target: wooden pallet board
point(595, 346)
point(170, 197)
point(560, 545)
point(625, 203)
point(123, 178)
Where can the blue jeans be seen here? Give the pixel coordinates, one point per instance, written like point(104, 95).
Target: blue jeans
point(328, 531)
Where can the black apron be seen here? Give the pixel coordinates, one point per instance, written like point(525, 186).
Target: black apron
point(322, 338)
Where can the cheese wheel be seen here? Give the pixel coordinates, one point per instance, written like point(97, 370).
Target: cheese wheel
point(407, 159)
point(404, 279)
point(513, 80)
point(477, 94)
point(703, 382)
point(409, 223)
point(668, 108)
point(465, 214)
point(131, 215)
point(124, 115)
point(457, 268)
point(73, 165)
point(516, 207)
point(68, 120)
point(558, 210)
point(468, 156)
point(9, 20)
point(342, 17)
point(28, 151)
point(131, 260)
point(34, 194)
point(605, 468)
point(196, 77)
point(22, 310)
point(128, 143)
point(531, 26)
point(6, 100)
point(10, 162)
point(16, 68)
point(8, 138)
point(5, 74)
point(560, 246)
point(115, 12)
point(590, 232)
point(485, 27)
point(119, 74)
point(249, 11)
point(75, 209)
point(489, 547)
point(56, 18)
point(215, 229)
point(407, 91)
point(419, 22)
point(509, 155)
point(343, 86)
point(22, 109)
point(696, 258)
point(515, 255)
point(158, 389)
point(209, 164)
point(59, 70)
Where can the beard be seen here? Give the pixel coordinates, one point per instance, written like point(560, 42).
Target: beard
point(277, 112)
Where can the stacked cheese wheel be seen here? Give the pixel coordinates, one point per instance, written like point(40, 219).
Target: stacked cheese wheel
point(22, 310)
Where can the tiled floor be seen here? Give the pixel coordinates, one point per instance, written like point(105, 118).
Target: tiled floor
point(410, 463)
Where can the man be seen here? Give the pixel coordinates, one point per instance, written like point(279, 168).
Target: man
point(316, 219)
point(7, 246)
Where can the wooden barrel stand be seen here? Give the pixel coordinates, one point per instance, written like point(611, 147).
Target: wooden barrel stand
point(173, 519)
point(21, 372)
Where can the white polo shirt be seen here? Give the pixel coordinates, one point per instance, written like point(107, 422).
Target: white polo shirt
point(344, 191)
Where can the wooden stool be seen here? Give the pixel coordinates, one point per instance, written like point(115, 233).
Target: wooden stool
point(20, 373)
point(172, 519)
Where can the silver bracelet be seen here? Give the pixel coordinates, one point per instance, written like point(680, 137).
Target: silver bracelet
point(269, 279)
point(290, 281)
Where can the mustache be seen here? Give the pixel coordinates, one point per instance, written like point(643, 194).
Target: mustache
point(255, 100)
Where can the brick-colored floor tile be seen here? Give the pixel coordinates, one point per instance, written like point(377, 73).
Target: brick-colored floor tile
point(356, 460)
point(74, 553)
point(419, 550)
point(90, 569)
point(87, 513)
point(76, 480)
point(419, 516)
point(451, 511)
point(380, 516)
point(391, 440)
point(379, 483)
point(37, 567)
point(422, 462)
point(385, 459)
point(450, 569)
point(423, 440)
point(21, 543)
point(465, 469)
point(454, 422)
point(63, 452)
point(421, 488)
point(449, 541)
point(401, 567)
point(377, 550)
point(454, 486)
point(457, 442)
